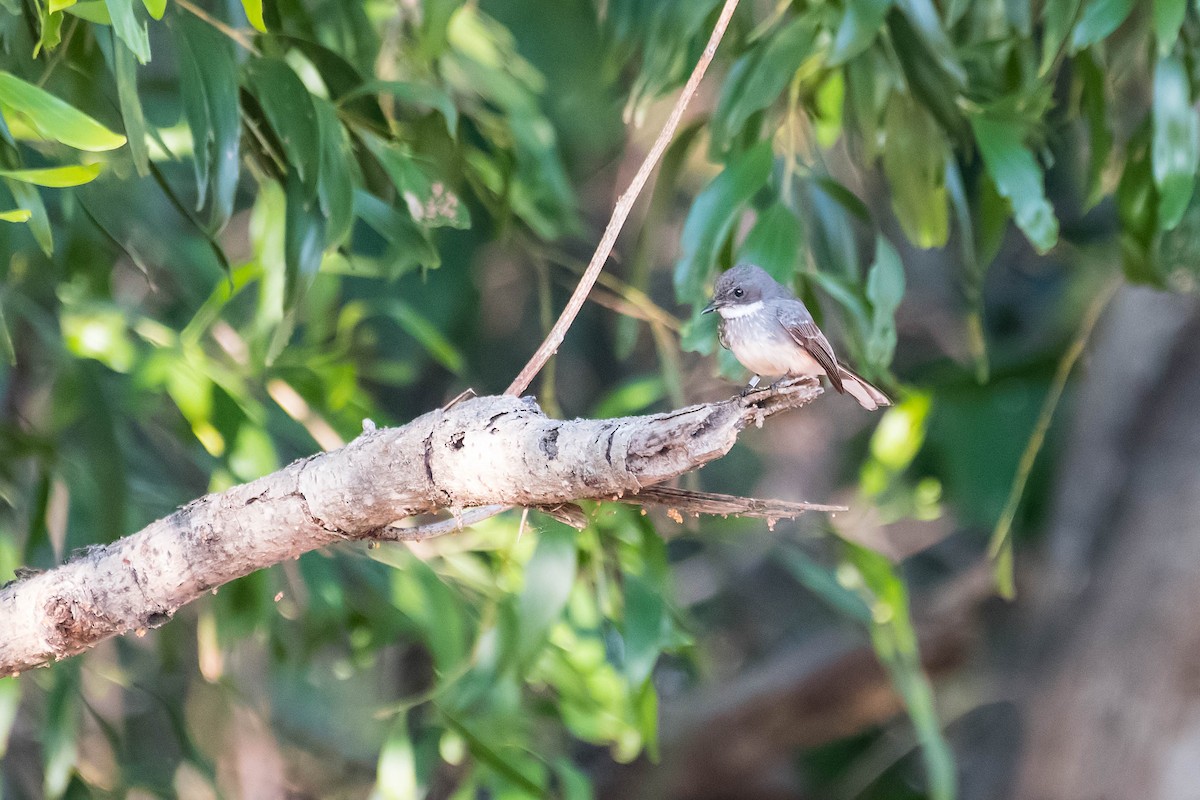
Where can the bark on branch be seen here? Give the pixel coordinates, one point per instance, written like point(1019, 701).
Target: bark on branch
point(484, 451)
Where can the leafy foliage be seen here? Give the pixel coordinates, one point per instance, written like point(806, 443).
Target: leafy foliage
point(235, 230)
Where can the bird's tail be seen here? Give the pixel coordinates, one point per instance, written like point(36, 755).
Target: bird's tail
point(867, 395)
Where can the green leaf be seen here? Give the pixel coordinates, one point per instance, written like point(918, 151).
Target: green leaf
point(923, 16)
point(289, 109)
point(335, 187)
point(55, 177)
point(1100, 18)
point(1017, 176)
point(411, 245)
point(396, 773)
point(254, 13)
point(822, 582)
point(16, 215)
point(91, 10)
point(131, 106)
point(861, 23)
point(775, 243)
point(712, 216)
point(643, 630)
point(1057, 20)
point(895, 643)
point(914, 160)
point(885, 290)
point(156, 8)
point(208, 80)
point(129, 29)
point(758, 78)
point(304, 237)
point(39, 222)
point(1093, 98)
point(1168, 19)
point(1137, 208)
point(1176, 143)
point(426, 333)
point(430, 203)
point(54, 119)
point(418, 94)
point(9, 353)
point(10, 701)
point(51, 33)
point(549, 576)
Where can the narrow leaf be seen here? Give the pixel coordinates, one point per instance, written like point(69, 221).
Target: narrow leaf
point(54, 119)
point(156, 8)
point(914, 160)
point(860, 24)
point(1017, 176)
point(1100, 18)
point(16, 215)
point(549, 576)
point(55, 177)
point(131, 106)
point(712, 216)
point(289, 109)
point(129, 29)
point(27, 197)
point(1176, 144)
point(1168, 19)
point(254, 13)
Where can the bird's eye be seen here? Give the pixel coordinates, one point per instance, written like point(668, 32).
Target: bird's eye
point(738, 292)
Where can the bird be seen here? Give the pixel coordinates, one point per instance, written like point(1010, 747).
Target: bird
point(770, 332)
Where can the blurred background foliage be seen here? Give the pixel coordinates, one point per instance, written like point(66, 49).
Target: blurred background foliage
point(234, 230)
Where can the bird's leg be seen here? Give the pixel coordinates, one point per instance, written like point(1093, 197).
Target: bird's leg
point(751, 386)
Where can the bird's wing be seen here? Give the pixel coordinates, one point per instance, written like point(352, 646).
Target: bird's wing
point(805, 333)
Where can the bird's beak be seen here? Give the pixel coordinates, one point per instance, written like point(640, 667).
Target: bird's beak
point(711, 307)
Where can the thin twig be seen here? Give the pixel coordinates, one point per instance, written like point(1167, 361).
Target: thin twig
point(233, 33)
point(1000, 546)
point(621, 211)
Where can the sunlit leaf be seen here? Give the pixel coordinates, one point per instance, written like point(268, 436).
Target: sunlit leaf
point(91, 10)
point(254, 13)
point(1176, 144)
point(56, 177)
point(54, 119)
point(16, 215)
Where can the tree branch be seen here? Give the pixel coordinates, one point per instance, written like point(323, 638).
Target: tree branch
point(484, 451)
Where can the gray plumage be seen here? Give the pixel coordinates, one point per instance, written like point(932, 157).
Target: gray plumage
point(770, 332)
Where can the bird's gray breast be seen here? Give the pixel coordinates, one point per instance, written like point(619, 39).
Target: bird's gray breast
point(762, 345)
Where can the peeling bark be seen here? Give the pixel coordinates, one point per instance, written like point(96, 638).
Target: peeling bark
point(484, 451)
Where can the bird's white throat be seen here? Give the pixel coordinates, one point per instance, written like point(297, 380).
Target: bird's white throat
point(733, 312)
